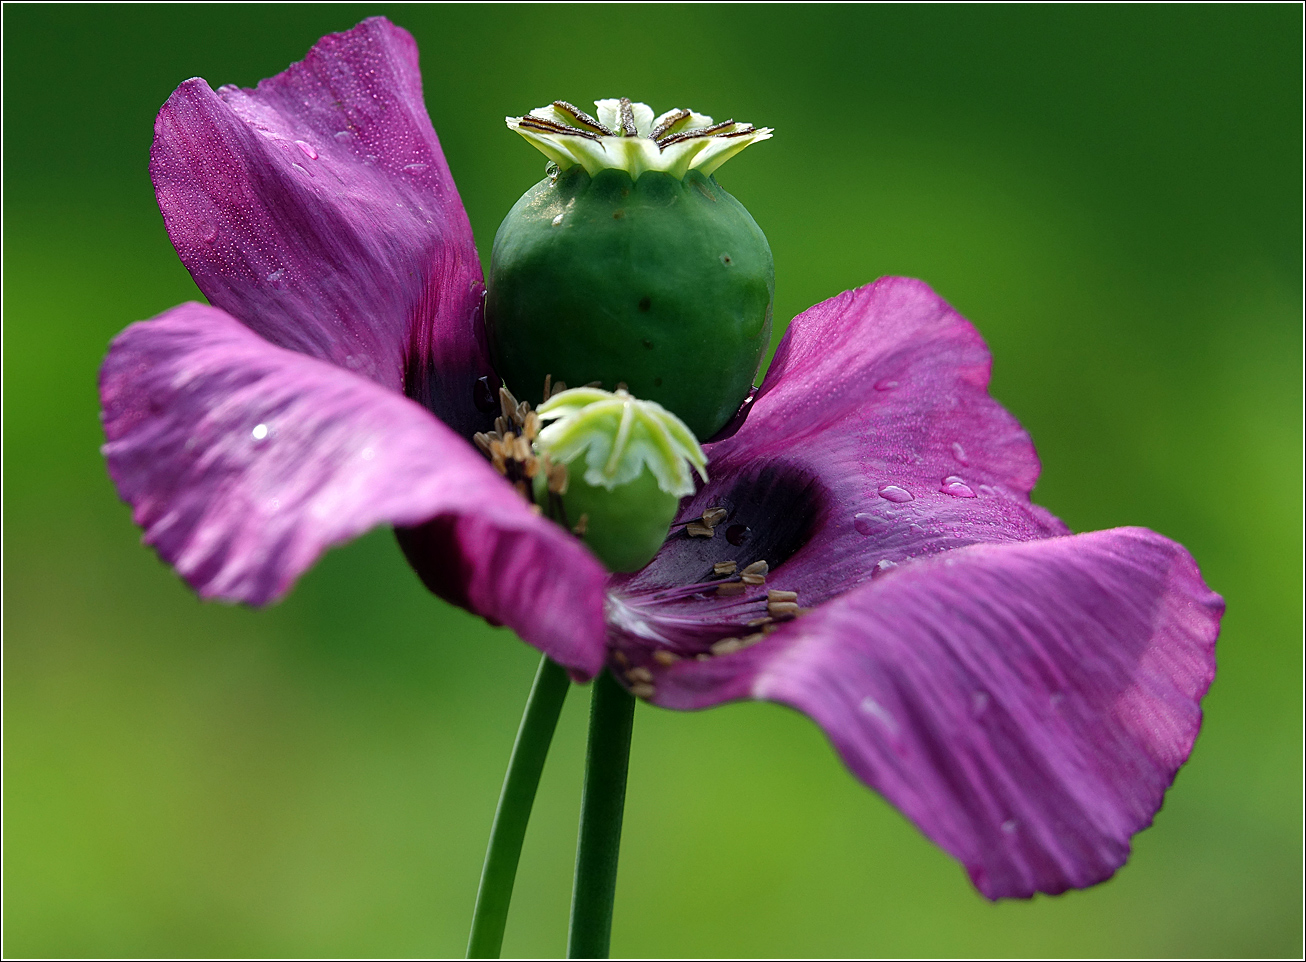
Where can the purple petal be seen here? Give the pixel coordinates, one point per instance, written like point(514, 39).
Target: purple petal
point(1026, 705)
point(872, 443)
point(319, 210)
point(244, 461)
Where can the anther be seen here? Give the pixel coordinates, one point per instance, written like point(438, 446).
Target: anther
point(559, 387)
point(752, 639)
point(724, 568)
point(757, 568)
point(482, 441)
point(726, 646)
point(665, 658)
point(644, 691)
point(558, 479)
point(759, 622)
point(620, 658)
point(732, 588)
point(781, 609)
point(508, 403)
point(696, 529)
point(582, 525)
point(774, 595)
point(714, 516)
point(500, 425)
point(531, 426)
point(548, 386)
point(640, 674)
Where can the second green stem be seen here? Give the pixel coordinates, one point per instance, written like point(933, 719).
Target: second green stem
point(603, 800)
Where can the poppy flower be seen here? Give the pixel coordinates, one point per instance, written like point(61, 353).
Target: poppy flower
point(865, 550)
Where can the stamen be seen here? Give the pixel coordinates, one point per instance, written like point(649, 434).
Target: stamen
point(780, 609)
point(640, 674)
point(732, 588)
point(643, 691)
point(714, 516)
point(582, 525)
point(558, 479)
point(755, 574)
point(620, 658)
point(759, 622)
point(665, 658)
point(548, 386)
point(724, 568)
point(696, 530)
point(774, 595)
point(726, 646)
point(559, 388)
point(482, 441)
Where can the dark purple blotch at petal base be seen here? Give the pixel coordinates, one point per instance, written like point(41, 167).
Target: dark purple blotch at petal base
point(243, 461)
point(318, 209)
point(1024, 696)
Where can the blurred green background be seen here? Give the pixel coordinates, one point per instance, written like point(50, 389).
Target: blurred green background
point(1112, 194)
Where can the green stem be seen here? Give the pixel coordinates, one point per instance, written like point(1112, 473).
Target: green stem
point(515, 800)
point(612, 716)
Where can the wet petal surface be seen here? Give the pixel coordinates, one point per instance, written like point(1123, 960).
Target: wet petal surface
point(243, 461)
point(872, 444)
point(1026, 705)
point(318, 209)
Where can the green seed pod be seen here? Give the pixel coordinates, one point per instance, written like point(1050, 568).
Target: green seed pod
point(615, 472)
point(629, 264)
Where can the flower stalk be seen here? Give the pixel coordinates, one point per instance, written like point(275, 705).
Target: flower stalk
point(539, 720)
point(603, 800)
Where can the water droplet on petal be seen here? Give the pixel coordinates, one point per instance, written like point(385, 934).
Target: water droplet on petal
point(891, 492)
point(208, 231)
point(1010, 826)
point(868, 523)
point(260, 432)
point(275, 276)
point(557, 220)
point(881, 714)
point(959, 453)
point(885, 384)
point(368, 454)
point(414, 167)
point(881, 566)
point(737, 534)
point(956, 487)
point(484, 395)
point(307, 148)
point(979, 701)
point(1057, 698)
